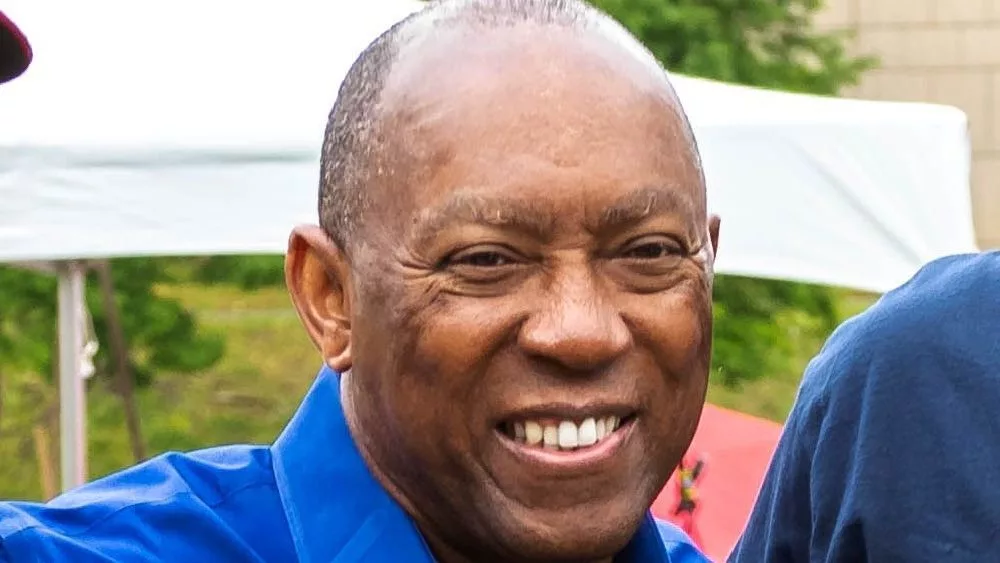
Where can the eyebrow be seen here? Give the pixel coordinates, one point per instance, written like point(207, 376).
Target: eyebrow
point(643, 203)
point(500, 212)
point(536, 220)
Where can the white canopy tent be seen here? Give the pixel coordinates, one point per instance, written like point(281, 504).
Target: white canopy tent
point(194, 128)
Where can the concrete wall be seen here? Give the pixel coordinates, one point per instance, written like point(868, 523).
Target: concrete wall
point(942, 51)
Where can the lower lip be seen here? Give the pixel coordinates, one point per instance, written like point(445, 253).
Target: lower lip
point(569, 460)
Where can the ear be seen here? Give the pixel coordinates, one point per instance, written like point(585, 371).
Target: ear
point(713, 232)
point(318, 278)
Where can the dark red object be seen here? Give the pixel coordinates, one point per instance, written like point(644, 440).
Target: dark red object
point(15, 52)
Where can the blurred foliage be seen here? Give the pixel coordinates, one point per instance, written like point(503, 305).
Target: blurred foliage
point(161, 333)
point(27, 320)
point(767, 43)
point(762, 327)
point(772, 44)
point(247, 272)
point(245, 397)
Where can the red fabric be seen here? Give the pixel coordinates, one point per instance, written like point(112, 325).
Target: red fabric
point(15, 52)
point(737, 449)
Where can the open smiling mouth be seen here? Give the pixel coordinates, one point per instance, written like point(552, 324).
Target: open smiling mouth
point(567, 443)
point(565, 435)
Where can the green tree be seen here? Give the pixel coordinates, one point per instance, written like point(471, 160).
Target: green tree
point(160, 333)
point(766, 43)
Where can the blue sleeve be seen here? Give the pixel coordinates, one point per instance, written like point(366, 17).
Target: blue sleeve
point(891, 452)
point(214, 505)
point(45, 545)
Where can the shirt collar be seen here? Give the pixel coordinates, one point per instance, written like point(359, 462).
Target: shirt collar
point(336, 510)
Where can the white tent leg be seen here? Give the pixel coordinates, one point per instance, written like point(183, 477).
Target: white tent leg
point(72, 398)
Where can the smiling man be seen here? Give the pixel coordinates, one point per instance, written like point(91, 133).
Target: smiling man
point(511, 291)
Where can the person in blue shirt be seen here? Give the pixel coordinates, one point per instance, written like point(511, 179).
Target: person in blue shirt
point(892, 450)
point(510, 288)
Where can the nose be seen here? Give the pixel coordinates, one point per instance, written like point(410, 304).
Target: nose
point(576, 327)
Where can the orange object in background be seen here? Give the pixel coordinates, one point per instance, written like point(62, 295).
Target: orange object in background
point(736, 449)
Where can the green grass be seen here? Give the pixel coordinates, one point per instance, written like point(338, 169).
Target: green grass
point(247, 397)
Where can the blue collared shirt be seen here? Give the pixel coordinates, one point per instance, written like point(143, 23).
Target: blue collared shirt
point(309, 498)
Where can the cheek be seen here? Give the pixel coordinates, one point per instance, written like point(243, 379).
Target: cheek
point(429, 392)
point(456, 339)
point(677, 328)
point(428, 351)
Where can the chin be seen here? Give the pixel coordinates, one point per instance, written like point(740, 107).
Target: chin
point(577, 546)
point(586, 534)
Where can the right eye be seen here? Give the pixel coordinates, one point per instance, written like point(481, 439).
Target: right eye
point(482, 259)
point(484, 264)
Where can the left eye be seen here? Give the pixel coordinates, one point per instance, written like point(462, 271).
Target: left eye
point(652, 251)
point(485, 260)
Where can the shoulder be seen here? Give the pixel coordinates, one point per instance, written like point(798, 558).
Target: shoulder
point(945, 294)
point(678, 546)
point(948, 311)
point(898, 407)
point(162, 505)
point(913, 378)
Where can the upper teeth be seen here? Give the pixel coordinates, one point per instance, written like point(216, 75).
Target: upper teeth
point(565, 434)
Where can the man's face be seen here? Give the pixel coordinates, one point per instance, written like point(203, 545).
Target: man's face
point(530, 311)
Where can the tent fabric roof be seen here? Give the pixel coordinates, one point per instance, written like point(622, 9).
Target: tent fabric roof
point(122, 140)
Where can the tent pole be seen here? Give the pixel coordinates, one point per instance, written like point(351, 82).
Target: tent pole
point(72, 405)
